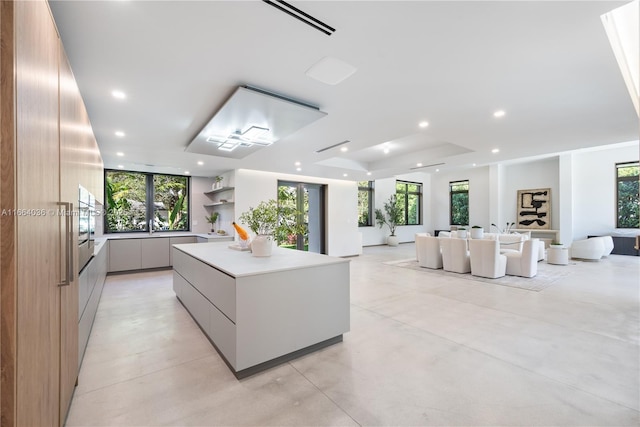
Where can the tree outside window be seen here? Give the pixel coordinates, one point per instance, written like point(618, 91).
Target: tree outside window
point(409, 201)
point(627, 176)
point(135, 198)
point(365, 203)
point(459, 202)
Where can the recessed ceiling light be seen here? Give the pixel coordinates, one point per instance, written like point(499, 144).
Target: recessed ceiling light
point(200, 163)
point(120, 166)
point(297, 163)
point(419, 164)
point(119, 134)
point(386, 151)
point(423, 124)
point(369, 173)
point(473, 165)
point(495, 150)
point(344, 149)
point(437, 170)
point(120, 154)
point(186, 172)
point(344, 174)
point(298, 169)
point(499, 113)
point(118, 94)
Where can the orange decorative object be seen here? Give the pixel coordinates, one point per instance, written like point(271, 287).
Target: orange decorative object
point(242, 233)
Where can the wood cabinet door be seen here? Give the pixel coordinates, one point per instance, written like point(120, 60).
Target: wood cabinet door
point(39, 229)
point(73, 131)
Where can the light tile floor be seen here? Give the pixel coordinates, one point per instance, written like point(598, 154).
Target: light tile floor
point(423, 349)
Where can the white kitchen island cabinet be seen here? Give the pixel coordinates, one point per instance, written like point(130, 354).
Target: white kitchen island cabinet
point(260, 312)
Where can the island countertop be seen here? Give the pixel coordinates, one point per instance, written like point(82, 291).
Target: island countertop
point(241, 263)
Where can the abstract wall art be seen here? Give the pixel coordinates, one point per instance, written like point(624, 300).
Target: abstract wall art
point(534, 209)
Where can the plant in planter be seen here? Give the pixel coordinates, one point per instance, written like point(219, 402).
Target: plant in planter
point(217, 182)
point(477, 232)
point(211, 219)
point(391, 217)
point(268, 220)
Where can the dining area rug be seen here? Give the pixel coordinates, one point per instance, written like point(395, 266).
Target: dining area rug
point(546, 276)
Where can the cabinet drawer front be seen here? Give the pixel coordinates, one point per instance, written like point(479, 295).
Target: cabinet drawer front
point(197, 305)
point(223, 333)
point(218, 287)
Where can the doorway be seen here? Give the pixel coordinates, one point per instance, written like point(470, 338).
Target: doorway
point(309, 201)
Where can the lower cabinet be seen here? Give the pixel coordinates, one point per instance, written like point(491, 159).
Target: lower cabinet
point(179, 241)
point(154, 252)
point(125, 254)
point(91, 283)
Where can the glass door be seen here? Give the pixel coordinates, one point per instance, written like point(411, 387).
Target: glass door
point(308, 201)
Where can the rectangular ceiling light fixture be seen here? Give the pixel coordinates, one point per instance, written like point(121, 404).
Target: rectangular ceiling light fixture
point(426, 166)
point(302, 16)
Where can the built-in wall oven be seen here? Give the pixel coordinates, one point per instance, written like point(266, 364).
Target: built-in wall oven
point(86, 226)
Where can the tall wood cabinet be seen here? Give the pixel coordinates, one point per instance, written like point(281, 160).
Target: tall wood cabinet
point(46, 150)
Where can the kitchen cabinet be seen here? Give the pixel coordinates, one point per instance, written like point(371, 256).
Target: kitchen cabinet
point(92, 278)
point(43, 120)
point(154, 252)
point(177, 241)
point(125, 254)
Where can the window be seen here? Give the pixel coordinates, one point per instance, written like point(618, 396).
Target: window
point(365, 203)
point(409, 199)
point(627, 175)
point(134, 198)
point(459, 202)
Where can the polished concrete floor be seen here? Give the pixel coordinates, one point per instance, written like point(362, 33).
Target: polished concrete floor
point(423, 349)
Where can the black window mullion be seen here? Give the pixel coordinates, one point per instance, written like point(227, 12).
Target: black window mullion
point(149, 200)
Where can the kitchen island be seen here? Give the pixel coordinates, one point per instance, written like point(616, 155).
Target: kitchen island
point(260, 312)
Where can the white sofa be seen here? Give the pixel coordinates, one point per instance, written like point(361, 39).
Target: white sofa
point(592, 249)
point(525, 263)
point(428, 251)
point(486, 260)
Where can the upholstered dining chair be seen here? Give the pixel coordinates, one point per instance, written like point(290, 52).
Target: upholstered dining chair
point(428, 251)
point(525, 263)
point(455, 255)
point(486, 260)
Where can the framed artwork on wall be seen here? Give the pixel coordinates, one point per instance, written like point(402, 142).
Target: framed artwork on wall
point(534, 209)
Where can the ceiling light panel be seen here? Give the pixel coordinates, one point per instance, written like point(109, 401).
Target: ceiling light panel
point(249, 120)
point(330, 70)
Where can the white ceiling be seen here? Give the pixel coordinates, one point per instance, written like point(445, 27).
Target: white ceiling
point(547, 64)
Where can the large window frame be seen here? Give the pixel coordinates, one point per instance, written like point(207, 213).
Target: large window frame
point(625, 212)
point(151, 207)
point(365, 196)
point(403, 197)
point(458, 189)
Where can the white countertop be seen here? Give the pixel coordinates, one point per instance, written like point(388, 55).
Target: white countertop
point(143, 235)
point(239, 263)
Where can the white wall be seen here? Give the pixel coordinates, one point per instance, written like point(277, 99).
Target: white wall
point(528, 176)
point(594, 190)
point(343, 239)
point(384, 188)
point(199, 186)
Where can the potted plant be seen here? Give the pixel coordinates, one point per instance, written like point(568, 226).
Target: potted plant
point(477, 232)
point(391, 217)
point(211, 219)
point(217, 182)
point(462, 232)
point(267, 220)
point(557, 245)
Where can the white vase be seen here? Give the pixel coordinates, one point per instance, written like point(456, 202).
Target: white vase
point(393, 240)
point(262, 245)
point(462, 234)
point(477, 233)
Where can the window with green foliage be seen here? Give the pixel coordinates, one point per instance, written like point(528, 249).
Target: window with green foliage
point(627, 176)
point(409, 199)
point(459, 202)
point(135, 198)
point(365, 203)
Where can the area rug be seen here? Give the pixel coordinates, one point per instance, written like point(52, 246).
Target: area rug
point(547, 275)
